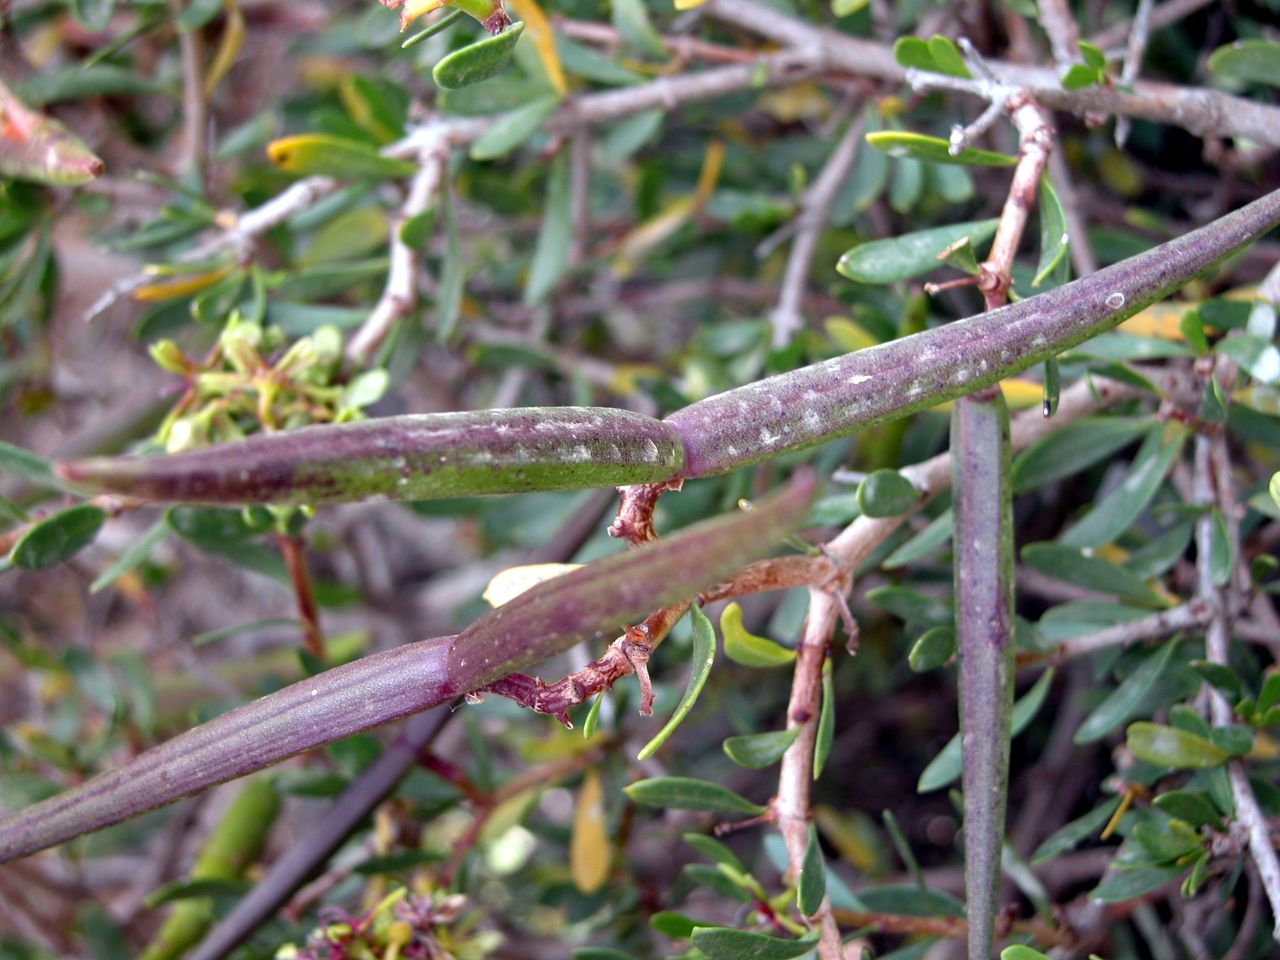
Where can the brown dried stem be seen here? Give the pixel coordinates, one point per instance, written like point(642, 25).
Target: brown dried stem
point(295, 560)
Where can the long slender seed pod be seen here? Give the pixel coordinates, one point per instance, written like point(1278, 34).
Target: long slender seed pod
point(984, 617)
point(827, 400)
point(546, 620)
point(415, 457)
point(233, 845)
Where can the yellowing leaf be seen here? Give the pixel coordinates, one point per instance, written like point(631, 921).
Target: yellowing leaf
point(181, 287)
point(624, 378)
point(1018, 394)
point(637, 244)
point(688, 4)
point(746, 648)
point(228, 48)
point(1157, 320)
point(414, 9)
point(709, 175)
point(513, 581)
point(544, 41)
point(848, 335)
point(589, 848)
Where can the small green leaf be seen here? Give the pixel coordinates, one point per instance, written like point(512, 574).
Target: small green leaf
point(1191, 326)
point(960, 256)
point(1092, 56)
point(1093, 573)
point(551, 256)
point(826, 722)
point(1256, 61)
point(1068, 836)
point(910, 255)
point(902, 143)
point(1117, 511)
point(1053, 232)
point(1220, 676)
point(1172, 748)
point(946, 766)
point(746, 648)
point(713, 849)
point(677, 926)
point(704, 655)
point(593, 717)
point(947, 57)
point(512, 129)
point(1221, 555)
point(1052, 387)
point(1192, 806)
point(723, 943)
point(1258, 357)
point(759, 750)
point(1235, 738)
point(1021, 952)
point(1078, 77)
point(1122, 702)
point(934, 648)
point(886, 493)
point(1120, 885)
point(1074, 448)
point(58, 537)
point(631, 20)
point(924, 543)
point(95, 15)
point(479, 61)
point(1269, 695)
point(687, 793)
point(811, 885)
point(912, 606)
point(27, 465)
point(138, 551)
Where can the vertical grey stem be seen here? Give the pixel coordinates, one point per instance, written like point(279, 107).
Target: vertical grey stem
point(984, 606)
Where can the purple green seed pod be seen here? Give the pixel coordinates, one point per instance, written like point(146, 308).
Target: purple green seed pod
point(548, 619)
point(414, 457)
point(818, 403)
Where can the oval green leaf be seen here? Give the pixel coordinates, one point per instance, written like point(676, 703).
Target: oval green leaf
point(1172, 748)
point(910, 255)
point(687, 793)
point(934, 648)
point(886, 493)
point(759, 750)
point(811, 885)
point(479, 61)
point(826, 722)
point(59, 537)
point(1257, 61)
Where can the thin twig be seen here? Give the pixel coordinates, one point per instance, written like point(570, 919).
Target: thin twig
point(400, 295)
point(1161, 17)
point(195, 116)
point(1060, 26)
point(790, 807)
point(291, 548)
point(815, 207)
point(1136, 46)
point(1192, 615)
point(1214, 487)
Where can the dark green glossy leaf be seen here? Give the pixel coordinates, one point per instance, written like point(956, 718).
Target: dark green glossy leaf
point(910, 255)
point(551, 256)
point(886, 493)
point(1255, 61)
point(1070, 835)
point(758, 750)
point(1125, 699)
point(1114, 514)
point(1220, 676)
point(1053, 232)
point(912, 606)
point(933, 649)
point(1052, 387)
point(481, 60)
point(945, 768)
point(704, 655)
point(1121, 885)
point(1235, 738)
point(1093, 573)
point(686, 793)
point(811, 885)
point(713, 849)
point(826, 722)
point(1192, 806)
point(59, 537)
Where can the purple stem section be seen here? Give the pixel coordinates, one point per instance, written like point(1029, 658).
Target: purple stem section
point(414, 457)
point(984, 630)
point(827, 400)
point(546, 620)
